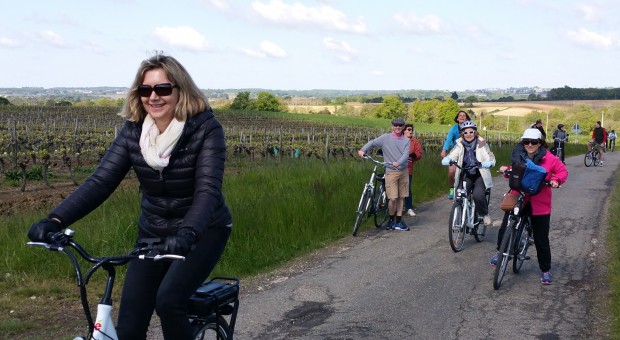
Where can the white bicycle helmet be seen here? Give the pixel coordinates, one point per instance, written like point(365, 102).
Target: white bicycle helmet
point(469, 124)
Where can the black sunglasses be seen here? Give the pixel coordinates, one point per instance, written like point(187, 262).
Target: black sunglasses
point(530, 141)
point(399, 125)
point(161, 90)
point(409, 129)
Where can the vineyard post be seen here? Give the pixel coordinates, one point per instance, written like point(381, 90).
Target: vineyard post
point(326, 145)
point(14, 136)
point(280, 153)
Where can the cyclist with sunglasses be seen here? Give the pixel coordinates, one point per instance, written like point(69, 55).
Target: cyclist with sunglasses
point(533, 146)
point(177, 149)
point(453, 134)
point(395, 148)
point(473, 155)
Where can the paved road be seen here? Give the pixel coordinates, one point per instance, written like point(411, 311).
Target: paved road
point(410, 285)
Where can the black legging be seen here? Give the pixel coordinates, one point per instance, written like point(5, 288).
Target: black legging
point(479, 193)
point(165, 286)
point(557, 144)
point(540, 229)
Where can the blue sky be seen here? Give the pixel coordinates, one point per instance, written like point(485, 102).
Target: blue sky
point(310, 44)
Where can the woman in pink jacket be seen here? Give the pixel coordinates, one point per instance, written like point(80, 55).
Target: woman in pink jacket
point(534, 147)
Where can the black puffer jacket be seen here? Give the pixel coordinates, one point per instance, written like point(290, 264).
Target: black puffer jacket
point(186, 193)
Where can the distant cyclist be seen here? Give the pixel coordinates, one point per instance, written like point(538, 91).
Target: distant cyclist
point(559, 137)
point(599, 137)
point(611, 140)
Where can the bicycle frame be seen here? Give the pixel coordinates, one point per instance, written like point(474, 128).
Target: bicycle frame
point(370, 196)
point(102, 327)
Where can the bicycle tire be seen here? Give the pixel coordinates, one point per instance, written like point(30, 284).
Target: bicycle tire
point(560, 154)
point(382, 212)
point(208, 329)
point(504, 253)
point(587, 160)
point(456, 226)
point(521, 246)
point(596, 158)
point(362, 208)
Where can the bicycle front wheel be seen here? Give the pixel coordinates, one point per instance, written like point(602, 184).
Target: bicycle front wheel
point(362, 208)
point(596, 158)
point(382, 213)
point(456, 226)
point(503, 256)
point(588, 159)
point(210, 329)
point(521, 245)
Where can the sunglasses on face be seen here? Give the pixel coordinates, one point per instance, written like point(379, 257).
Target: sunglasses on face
point(409, 129)
point(161, 90)
point(531, 142)
point(468, 132)
point(398, 125)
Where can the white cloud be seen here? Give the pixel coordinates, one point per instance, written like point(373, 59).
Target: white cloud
point(590, 13)
point(590, 39)
point(344, 51)
point(377, 73)
point(272, 49)
point(267, 49)
point(8, 42)
point(222, 5)
point(183, 36)
point(52, 38)
point(252, 53)
point(297, 14)
point(410, 22)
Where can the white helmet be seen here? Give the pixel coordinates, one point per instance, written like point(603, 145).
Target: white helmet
point(469, 124)
point(531, 134)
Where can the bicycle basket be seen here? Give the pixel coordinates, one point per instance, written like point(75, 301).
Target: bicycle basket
point(527, 177)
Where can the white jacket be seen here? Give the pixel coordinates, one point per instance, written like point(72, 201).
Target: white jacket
point(483, 153)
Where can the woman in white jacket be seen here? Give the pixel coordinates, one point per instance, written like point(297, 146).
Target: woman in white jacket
point(472, 153)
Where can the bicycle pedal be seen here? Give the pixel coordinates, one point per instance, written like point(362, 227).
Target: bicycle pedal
point(527, 257)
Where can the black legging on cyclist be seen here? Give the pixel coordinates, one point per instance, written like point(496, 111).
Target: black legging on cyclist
point(165, 286)
point(556, 145)
point(479, 193)
point(540, 229)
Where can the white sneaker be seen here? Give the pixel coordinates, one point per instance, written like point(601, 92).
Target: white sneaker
point(486, 219)
point(601, 163)
point(411, 213)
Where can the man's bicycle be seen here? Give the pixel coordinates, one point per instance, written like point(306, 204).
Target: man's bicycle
point(374, 200)
point(593, 156)
point(463, 217)
point(212, 308)
point(516, 240)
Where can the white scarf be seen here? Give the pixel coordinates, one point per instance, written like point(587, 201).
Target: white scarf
point(156, 148)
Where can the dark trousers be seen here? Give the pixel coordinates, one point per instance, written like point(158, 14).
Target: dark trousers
point(540, 230)
point(557, 144)
point(165, 286)
point(479, 192)
point(408, 199)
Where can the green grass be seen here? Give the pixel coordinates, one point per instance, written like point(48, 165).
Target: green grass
point(613, 269)
point(280, 211)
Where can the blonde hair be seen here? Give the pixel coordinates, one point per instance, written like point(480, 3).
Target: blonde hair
point(191, 98)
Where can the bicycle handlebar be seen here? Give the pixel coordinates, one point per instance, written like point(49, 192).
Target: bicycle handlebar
point(383, 164)
point(150, 248)
point(507, 172)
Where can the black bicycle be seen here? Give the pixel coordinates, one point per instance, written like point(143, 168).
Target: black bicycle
point(593, 156)
point(516, 240)
point(463, 216)
point(374, 199)
point(212, 308)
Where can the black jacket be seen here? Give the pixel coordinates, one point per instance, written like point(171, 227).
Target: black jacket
point(186, 193)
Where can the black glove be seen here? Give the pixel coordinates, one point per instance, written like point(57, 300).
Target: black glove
point(181, 243)
point(40, 231)
point(413, 156)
